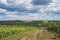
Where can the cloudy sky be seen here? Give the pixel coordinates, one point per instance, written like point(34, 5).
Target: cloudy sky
point(29, 9)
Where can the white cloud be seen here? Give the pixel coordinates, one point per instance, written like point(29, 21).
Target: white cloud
point(4, 2)
point(44, 12)
point(2, 10)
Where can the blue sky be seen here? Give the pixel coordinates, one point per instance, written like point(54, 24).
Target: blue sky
point(29, 9)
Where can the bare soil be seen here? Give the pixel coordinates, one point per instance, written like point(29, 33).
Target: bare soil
point(38, 35)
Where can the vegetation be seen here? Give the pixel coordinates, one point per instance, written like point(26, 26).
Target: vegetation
point(10, 28)
point(9, 31)
point(48, 24)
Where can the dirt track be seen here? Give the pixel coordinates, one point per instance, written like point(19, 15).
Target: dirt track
point(38, 35)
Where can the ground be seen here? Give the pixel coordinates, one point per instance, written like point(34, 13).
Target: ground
point(38, 35)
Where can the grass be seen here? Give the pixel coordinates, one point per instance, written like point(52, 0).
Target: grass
point(12, 32)
point(9, 32)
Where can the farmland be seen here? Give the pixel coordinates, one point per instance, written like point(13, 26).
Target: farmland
point(32, 30)
point(9, 31)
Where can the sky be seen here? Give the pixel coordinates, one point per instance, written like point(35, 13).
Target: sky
point(29, 9)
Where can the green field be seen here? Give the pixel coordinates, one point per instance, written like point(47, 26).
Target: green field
point(32, 30)
point(7, 32)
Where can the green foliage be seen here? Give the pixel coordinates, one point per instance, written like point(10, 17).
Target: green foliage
point(51, 25)
point(9, 31)
point(43, 23)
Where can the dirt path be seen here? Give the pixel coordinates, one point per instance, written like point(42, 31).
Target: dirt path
point(38, 35)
